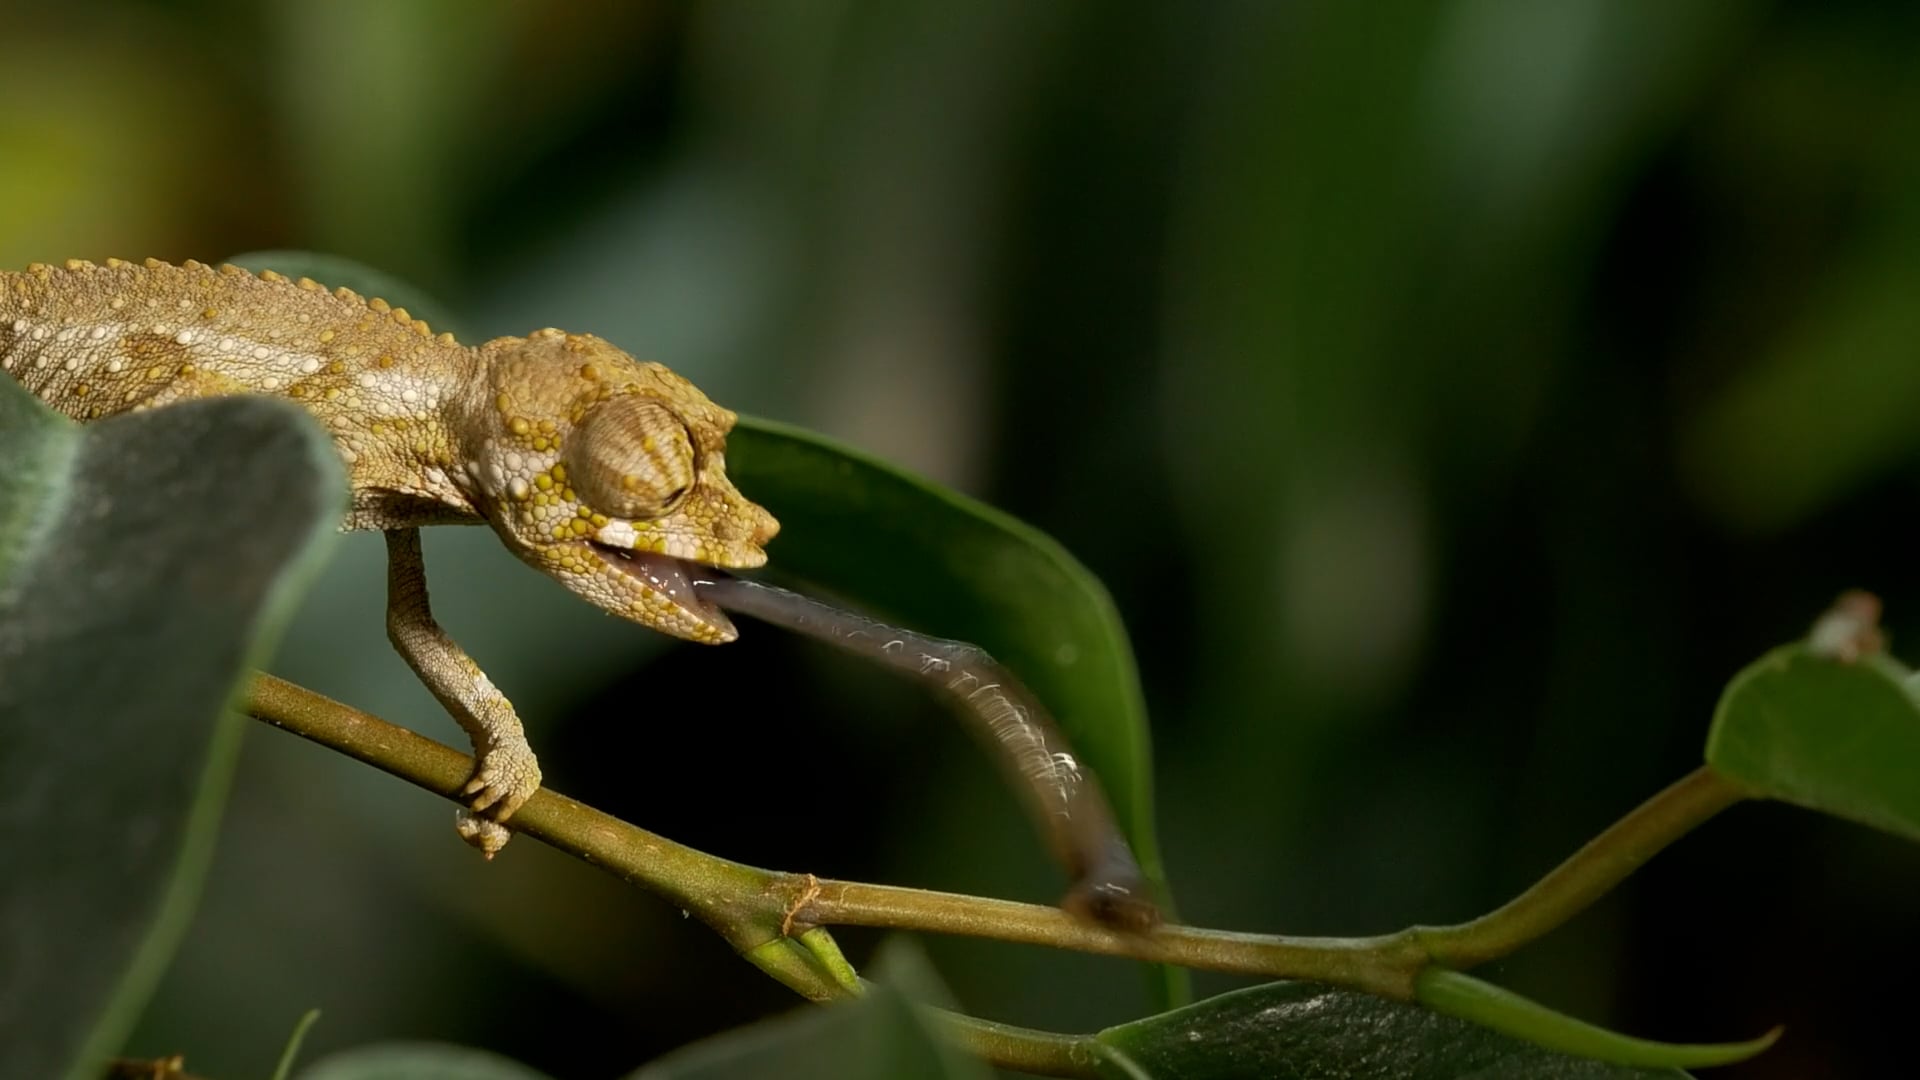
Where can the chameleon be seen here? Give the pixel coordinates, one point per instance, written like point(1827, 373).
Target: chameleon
point(604, 472)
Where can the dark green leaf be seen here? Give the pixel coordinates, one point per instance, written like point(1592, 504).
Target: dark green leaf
point(417, 1061)
point(143, 560)
point(1843, 738)
point(1302, 1031)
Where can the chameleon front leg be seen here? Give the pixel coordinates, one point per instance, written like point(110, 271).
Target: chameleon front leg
point(505, 771)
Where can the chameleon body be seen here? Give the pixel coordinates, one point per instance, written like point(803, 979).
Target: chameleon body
point(604, 472)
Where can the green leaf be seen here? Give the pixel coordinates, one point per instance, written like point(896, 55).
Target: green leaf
point(881, 1036)
point(932, 559)
point(144, 562)
point(1456, 994)
point(417, 1061)
point(1842, 738)
point(1303, 1031)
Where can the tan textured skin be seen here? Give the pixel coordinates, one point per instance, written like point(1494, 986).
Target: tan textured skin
point(568, 447)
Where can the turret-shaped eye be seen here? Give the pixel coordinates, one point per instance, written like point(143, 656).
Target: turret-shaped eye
point(630, 457)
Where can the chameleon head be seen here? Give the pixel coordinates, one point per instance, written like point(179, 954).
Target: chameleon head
point(610, 475)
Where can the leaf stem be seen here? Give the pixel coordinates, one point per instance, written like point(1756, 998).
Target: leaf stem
point(1586, 875)
point(796, 968)
point(826, 952)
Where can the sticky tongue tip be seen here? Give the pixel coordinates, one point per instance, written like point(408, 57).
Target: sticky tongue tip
point(1112, 904)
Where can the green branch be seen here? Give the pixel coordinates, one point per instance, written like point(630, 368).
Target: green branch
point(1586, 875)
point(1380, 965)
point(774, 919)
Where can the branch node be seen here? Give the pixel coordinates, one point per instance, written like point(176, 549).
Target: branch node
point(807, 896)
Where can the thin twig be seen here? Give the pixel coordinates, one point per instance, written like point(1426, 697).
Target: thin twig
point(754, 909)
point(1586, 875)
point(1384, 965)
point(749, 906)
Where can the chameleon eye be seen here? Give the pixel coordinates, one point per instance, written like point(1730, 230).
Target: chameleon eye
point(631, 458)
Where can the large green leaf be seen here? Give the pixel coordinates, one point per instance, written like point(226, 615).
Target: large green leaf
point(1301, 1031)
point(1840, 737)
point(931, 558)
point(143, 561)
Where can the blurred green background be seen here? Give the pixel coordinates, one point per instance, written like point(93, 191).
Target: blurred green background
point(1454, 395)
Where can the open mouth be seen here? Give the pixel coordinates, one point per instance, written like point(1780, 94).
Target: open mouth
point(670, 577)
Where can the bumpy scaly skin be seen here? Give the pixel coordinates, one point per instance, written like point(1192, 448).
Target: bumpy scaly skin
point(589, 465)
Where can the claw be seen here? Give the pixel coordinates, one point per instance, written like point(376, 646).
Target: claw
point(503, 780)
point(483, 791)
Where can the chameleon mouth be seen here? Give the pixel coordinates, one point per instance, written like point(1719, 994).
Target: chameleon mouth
point(672, 578)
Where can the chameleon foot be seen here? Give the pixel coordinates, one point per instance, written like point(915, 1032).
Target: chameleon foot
point(484, 833)
point(505, 778)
